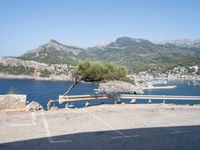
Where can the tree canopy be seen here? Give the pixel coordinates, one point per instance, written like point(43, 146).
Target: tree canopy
point(96, 71)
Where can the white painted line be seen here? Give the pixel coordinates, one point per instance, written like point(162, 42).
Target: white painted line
point(105, 123)
point(46, 126)
point(180, 132)
point(27, 124)
point(33, 118)
point(121, 137)
point(21, 125)
point(60, 141)
point(177, 131)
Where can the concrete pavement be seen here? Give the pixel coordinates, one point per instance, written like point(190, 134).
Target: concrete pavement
point(103, 127)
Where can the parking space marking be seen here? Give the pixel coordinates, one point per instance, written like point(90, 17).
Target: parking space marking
point(120, 134)
point(33, 122)
point(48, 133)
point(177, 131)
point(180, 132)
point(125, 136)
point(103, 122)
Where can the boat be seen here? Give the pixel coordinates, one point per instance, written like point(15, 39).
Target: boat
point(157, 82)
point(159, 87)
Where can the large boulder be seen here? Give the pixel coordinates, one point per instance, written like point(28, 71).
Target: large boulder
point(34, 106)
point(120, 87)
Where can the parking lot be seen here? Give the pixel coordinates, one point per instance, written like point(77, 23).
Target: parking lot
point(103, 127)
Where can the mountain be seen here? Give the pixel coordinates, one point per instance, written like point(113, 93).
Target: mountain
point(54, 53)
point(135, 53)
point(141, 54)
point(182, 42)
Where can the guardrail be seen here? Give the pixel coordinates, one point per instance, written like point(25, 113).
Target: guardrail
point(159, 97)
point(117, 97)
point(64, 99)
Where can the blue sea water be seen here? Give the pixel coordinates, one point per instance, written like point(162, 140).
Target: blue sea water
point(43, 91)
point(184, 88)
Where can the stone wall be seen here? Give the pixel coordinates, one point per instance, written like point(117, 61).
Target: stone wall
point(12, 101)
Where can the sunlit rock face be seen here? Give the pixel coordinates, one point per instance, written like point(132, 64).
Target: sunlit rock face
point(120, 87)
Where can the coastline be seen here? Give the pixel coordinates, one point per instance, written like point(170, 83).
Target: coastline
point(171, 77)
point(25, 77)
point(137, 77)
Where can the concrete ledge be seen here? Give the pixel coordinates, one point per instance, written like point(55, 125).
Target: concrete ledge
point(12, 101)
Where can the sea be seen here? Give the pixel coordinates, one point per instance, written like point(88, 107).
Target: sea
point(43, 91)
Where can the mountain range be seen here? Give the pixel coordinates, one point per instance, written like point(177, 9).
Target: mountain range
point(182, 42)
point(135, 53)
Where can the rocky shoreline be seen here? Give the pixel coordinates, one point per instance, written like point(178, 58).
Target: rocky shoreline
point(137, 77)
point(26, 77)
point(120, 87)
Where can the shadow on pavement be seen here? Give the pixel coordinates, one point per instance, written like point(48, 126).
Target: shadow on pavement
point(161, 138)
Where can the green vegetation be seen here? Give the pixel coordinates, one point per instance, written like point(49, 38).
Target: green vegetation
point(143, 55)
point(51, 56)
point(96, 71)
point(45, 73)
point(163, 64)
point(136, 54)
point(17, 70)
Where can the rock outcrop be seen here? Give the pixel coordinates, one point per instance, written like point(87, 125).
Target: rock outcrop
point(53, 44)
point(120, 87)
point(12, 61)
point(41, 70)
point(34, 106)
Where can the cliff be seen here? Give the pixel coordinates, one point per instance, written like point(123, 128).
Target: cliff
point(14, 68)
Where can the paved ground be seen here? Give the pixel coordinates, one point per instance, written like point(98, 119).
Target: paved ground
point(123, 127)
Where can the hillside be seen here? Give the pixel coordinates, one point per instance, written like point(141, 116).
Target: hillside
point(182, 42)
point(54, 53)
point(136, 54)
point(140, 55)
point(33, 69)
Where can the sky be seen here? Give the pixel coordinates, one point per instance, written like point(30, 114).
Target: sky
point(26, 24)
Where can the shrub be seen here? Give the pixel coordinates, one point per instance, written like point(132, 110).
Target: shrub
point(17, 70)
point(45, 73)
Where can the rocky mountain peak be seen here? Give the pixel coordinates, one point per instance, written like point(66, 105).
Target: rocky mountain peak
point(127, 41)
point(182, 42)
point(52, 42)
point(54, 45)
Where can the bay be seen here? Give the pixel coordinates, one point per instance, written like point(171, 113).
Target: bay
point(43, 91)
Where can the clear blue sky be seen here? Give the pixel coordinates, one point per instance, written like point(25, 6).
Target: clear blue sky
point(26, 24)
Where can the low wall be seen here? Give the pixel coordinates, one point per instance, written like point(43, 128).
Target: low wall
point(12, 101)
